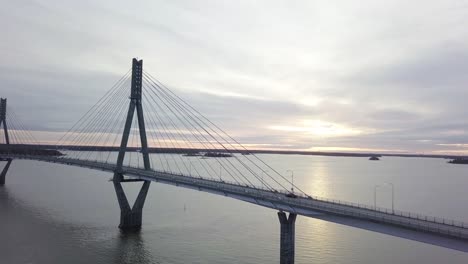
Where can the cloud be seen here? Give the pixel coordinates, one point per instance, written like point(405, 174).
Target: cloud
point(391, 74)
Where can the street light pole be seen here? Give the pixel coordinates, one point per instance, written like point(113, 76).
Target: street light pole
point(375, 197)
point(292, 180)
point(393, 196)
point(263, 182)
point(220, 170)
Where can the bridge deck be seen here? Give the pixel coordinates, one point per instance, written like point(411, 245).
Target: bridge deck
point(307, 206)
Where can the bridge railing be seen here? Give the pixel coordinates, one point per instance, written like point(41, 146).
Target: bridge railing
point(388, 211)
point(408, 220)
point(414, 223)
point(371, 209)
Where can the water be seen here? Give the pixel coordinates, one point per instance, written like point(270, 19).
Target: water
point(59, 214)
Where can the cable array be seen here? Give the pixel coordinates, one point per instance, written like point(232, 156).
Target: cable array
point(181, 126)
point(17, 131)
point(181, 140)
point(100, 128)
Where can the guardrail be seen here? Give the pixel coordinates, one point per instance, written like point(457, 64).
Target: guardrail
point(409, 215)
point(337, 208)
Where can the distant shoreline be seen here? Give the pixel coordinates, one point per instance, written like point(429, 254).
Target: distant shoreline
point(251, 151)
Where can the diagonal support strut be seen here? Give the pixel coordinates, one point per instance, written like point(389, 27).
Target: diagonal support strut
point(4, 172)
point(3, 106)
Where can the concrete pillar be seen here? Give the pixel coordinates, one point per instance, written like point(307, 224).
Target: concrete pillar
point(130, 217)
point(4, 172)
point(287, 238)
point(3, 105)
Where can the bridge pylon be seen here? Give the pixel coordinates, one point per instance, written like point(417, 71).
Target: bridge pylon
point(3, 106)
point(131, 217)
point(287, 237)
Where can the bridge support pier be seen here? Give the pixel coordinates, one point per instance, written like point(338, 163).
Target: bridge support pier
point(287, 237)
point(130, 217)
point(4, 172)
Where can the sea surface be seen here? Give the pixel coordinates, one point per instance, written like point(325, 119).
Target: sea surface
point(53, 213)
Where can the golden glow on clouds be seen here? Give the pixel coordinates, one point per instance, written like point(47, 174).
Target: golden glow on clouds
point(451, 152)
point(355, 149)
point(454, 145)
point(233, 94)
point(319, 128)
point(461, 149)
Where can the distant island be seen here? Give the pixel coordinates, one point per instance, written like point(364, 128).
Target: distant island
point(28, 150)
point(196, 152)
point(459, 161)
point(192, 154)
point(217, 155)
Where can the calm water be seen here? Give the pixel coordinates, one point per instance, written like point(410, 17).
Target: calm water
point(57, 214)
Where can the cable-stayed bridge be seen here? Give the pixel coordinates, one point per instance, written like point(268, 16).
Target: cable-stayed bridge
point(139, 115)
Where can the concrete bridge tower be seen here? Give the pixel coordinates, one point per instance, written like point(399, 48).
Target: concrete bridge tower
point(131, 217)
point(3, 106)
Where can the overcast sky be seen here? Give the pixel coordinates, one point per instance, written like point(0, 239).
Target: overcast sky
point(363, 75)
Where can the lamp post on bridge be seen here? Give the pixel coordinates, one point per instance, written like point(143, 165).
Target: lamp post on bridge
point(190, 168)
point(393, 195)
point(375, 196)
point(263, 182)
point(220, 171)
